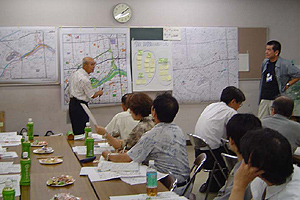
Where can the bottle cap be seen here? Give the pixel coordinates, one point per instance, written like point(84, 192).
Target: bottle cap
point(90, 134)
point(25, 154)
point(29, 119)
point(88, 124)
point(8, 183)
point(24, 134)
point(151, 162)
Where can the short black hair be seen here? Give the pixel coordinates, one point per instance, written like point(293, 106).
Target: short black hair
point(125, 98)
point(238, 126)
point(140, 104)
point(166, 107)
point(276, 46)
point(230, 93)
point(269, 151)
point(283, 105)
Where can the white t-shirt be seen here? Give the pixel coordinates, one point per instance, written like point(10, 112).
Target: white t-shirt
point(211, 125)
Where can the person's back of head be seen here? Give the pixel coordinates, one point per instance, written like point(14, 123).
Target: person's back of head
point(140, 104)
point(269, 151)
point(283, 105)
point(276, 46)
point(124, 100)
point(166, 107)
point(230, 93)
point(238, 126)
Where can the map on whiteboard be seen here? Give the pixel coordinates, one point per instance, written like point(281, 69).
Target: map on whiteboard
point(28, 55)
point(152, 65)
point(110, 49)
point(205, 61)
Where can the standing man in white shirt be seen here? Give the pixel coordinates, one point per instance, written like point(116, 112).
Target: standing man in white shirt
point(122, 123)
point(211, 126)
point(80, 91)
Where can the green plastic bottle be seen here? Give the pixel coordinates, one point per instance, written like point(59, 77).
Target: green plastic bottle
point(89, 146)
point(23, 137)
point(87, 129)
point(25, 163)
point(8, 192)
point(30, 129)
point(26, 146)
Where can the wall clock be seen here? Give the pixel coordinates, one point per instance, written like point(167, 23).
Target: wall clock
point(122, 13)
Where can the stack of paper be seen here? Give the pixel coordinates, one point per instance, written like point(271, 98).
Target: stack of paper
point(9, 167)
point(10, 139)
point(160, 195)
point(96, 137)
point(81, 150)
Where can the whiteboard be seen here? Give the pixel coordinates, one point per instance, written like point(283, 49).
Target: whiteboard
point(152, 65)
point(205, 61)
point(28, 55)
point(110, 49)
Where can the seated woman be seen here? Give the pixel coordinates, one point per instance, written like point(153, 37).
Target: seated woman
point(140, 109)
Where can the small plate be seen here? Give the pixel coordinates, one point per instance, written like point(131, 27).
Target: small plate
point(50, 161)
point(43, 151)
point(39, 144)
point(60, 181)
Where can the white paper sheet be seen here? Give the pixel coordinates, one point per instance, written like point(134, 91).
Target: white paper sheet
point(118, 167)
point(89, 113)
point(10, 154)
point(81, 150)
point(160, 195)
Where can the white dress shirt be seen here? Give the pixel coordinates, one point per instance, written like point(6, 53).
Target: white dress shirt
point(80, 86)
point(211, 125)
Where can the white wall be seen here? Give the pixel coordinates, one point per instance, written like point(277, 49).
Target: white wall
point(42, 103)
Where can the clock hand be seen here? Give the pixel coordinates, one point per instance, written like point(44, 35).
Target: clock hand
point(124, 10)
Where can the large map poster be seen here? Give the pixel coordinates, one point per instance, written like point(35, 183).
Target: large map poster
point(152, 65)
point(28, 55)
point(204, 62)
point(110, 49)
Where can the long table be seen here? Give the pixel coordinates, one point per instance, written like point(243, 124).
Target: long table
point(116, 187)
point(82, 187)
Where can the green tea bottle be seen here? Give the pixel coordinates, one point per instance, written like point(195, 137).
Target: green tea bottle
point(30, 129)
point(89, 146)
point(26, 146)
point(25, 163)
point(87, 129)
point(8, 192)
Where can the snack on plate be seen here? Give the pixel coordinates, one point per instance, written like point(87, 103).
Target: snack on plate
point(44, 150)
point(60, 180)
point(65, 196)
point(37, 143)
point(52, 160)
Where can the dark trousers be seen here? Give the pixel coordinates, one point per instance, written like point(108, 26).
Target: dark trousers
point(209, 163)
point(77, 115)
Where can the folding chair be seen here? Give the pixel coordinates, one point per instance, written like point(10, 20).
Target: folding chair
point(225, 143)
point(198, 143)
point(229, 160)
point(169, 182)
point(196, 168)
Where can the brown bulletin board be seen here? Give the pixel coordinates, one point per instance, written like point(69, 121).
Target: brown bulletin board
point(252, 41)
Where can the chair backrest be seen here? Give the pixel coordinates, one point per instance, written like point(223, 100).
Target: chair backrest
point(197, 142)
point(196, 168)
point(229, 160)
point(169, 182)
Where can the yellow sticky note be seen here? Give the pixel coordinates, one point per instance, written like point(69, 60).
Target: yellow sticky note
point(141, 75)
point(147, 70)
point(166, 67)
point(163, 78)
point(161, 73)
point(149, 55)
point(146, 65)
point(139, 67)
point(139, 62)
point(147, 60)
point(152, 61)
point(169, 78)
point(160, 60)
point(150, 75)
point(161, 68)
point(152, 69)
point(138, 82)
point(143, 81)
point(140, 52)
point(139, 58)
point(152, 65)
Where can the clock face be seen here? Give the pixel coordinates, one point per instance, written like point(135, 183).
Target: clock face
point(122, 13)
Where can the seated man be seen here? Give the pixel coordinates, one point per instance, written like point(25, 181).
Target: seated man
point(211, 126)
point(165, 143)
point(236, 128)
point(282, 110)
point(122, 123)
point(268, 156)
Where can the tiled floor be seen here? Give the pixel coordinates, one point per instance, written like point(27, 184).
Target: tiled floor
point(200, 178)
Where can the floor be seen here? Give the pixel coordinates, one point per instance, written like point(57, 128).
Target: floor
point(200, 178)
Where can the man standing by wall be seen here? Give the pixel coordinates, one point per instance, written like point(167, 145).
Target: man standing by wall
point(278, 75)
point(80, 91)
